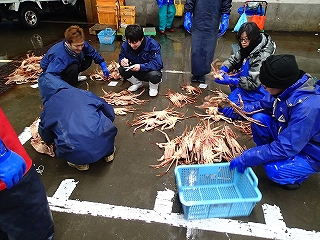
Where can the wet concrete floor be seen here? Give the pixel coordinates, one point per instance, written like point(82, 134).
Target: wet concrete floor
point(120, 200)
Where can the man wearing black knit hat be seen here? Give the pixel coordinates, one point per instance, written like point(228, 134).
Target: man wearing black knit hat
point(289, 144)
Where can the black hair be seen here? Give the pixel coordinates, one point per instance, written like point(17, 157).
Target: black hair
point(252, 30)
point(134, 33)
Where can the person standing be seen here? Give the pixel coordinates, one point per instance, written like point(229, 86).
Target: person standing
point(140, 60)
point(254, 48)
point(78, 122)
point(167, 11)
point(68, 58)
point(288, 145)
point(24, 208)
point(201, 19)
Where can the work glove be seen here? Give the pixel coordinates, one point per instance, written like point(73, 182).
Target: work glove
point(12, 166)
point(224, 69)
point(160, 4)
point(238, 162)
point(229, 113)
point(224, 24)
point(187, 23)
point(227, 80)
point(105, 70)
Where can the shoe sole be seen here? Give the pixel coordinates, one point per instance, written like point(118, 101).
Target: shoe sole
point(79, 167)
point(140, 86)
point(111, 156)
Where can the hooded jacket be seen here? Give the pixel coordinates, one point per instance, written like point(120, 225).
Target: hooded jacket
point(296, 114)
point(249, 78)
point(78, 122)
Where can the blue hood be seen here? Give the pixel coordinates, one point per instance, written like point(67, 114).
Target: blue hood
point(49, 85)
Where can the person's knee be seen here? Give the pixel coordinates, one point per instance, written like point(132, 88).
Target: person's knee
point(154, 77)
point(125, 74)
point(86, 64)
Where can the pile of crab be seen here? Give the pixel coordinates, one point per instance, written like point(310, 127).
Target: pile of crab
point(28, 71)
point(202, 144)
point(113, 68)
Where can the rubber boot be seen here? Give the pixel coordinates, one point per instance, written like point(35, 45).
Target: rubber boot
point(136, 84)
point(153, 89)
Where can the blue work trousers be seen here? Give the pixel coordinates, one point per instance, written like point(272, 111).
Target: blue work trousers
point(166, 16)
point(288, 171)
point(24, 210)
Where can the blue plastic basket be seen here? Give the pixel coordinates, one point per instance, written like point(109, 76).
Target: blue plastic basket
point(213, 190)
point(107, 36)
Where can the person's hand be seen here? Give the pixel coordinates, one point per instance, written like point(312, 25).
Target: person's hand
point(12, 166)
point(104, 69)
point(224, 24)
point(238, 162)
point(224, 69)
point(229, 112)
point(160, 3)
point(187, 23)
point(135, 68)
point(227, 80)
point(124, 62)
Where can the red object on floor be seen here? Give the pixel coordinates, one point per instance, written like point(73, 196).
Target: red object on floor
point(162, 32)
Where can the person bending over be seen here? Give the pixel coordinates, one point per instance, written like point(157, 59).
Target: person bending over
point(68, 58)
point(78, 122)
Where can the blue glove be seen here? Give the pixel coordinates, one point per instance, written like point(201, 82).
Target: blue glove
point(224, 69)
point(160, 4)
point(187, 23)
point(224, 24)
point(12, 166)
point(105, 70)
point(229, 113)
point(227, 80)
point(238, 162)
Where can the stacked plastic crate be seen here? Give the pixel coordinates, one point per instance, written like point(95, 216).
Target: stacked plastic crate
point(108, 12)
point(127, 15)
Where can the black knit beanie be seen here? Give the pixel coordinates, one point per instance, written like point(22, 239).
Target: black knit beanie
point(279, 71)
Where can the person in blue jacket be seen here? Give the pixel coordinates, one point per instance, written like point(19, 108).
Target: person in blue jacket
point(140, 60)
point(254, 48)
point(289, 144)
point(78, 122)
point(68, 58)
point(167, 11)
point(201, 19)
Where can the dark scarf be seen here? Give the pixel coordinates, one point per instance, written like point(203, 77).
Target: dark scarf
point(141, 47)
point(72, 53)
point(244, 52)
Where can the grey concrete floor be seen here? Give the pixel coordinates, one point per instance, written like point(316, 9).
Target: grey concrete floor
point(118, 200)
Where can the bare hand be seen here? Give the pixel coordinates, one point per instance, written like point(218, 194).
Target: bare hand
point(135, 68)
point(124, 62)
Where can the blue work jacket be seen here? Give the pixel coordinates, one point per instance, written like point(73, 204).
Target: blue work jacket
point(149, 57)
point(78, 122)
point(57, 59)
point(296, 114)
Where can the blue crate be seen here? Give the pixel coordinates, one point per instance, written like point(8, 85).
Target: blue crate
point(107, 36)
point(213, 190)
